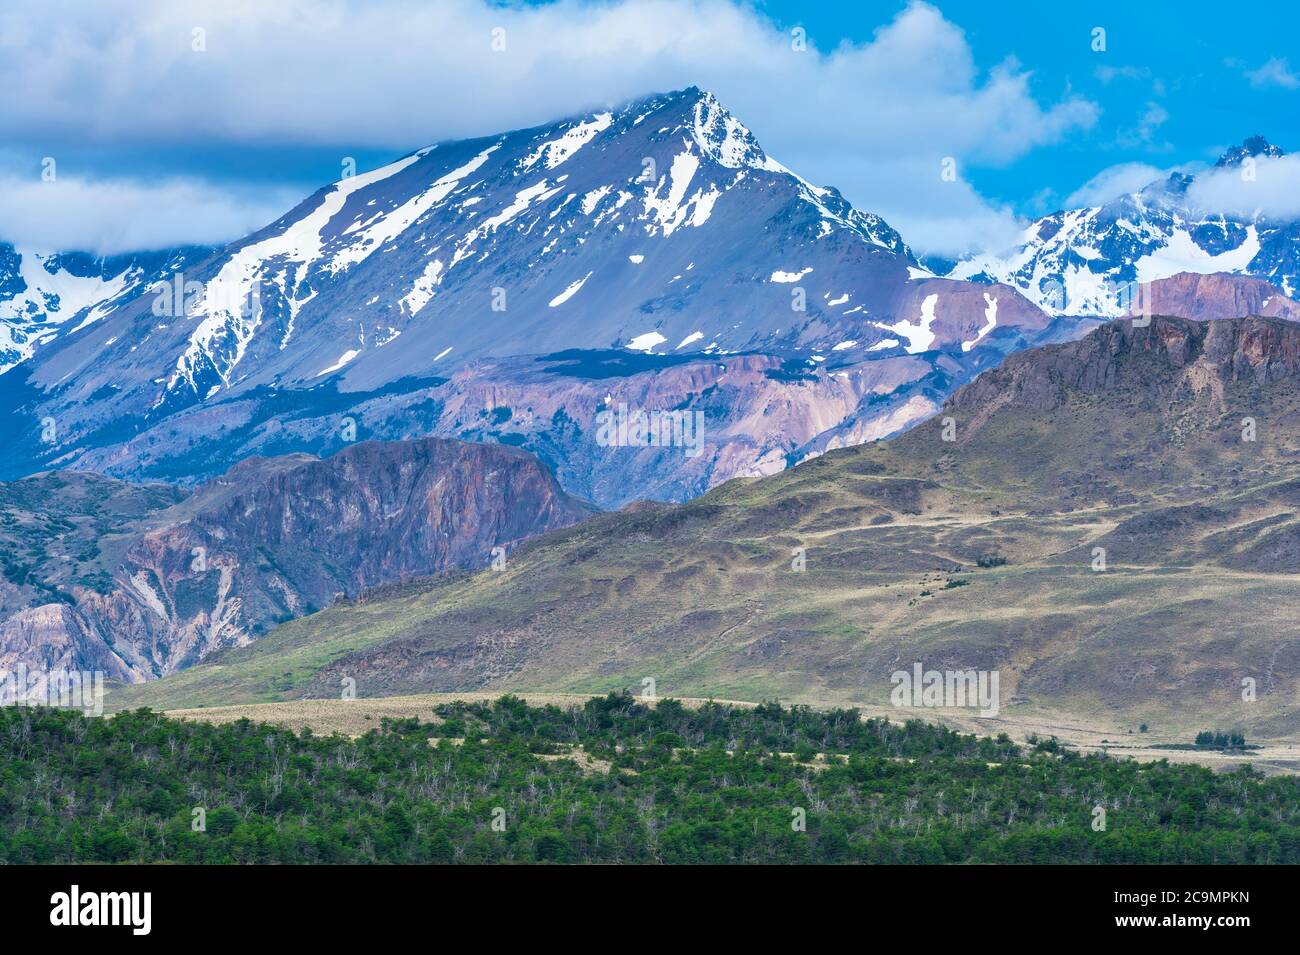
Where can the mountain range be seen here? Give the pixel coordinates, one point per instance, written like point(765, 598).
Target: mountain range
point(1113, 527)
point(660, 231)
point(508, 288)
point(410, 369)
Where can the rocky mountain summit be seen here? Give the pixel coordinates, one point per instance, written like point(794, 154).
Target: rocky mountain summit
point(658, 229)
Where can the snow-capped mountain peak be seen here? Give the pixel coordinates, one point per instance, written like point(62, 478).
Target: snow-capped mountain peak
point(659, 229)
point(723, 138)
point(1251, 146)
point(540, 214)
point(1092, 261)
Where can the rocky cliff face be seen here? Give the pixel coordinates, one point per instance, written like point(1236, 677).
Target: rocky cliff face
point(1217, 296)
point(1167, 356)
point(277, 538)
point(1172, 411)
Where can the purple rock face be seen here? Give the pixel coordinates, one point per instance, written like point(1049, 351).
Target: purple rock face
point(165, 578)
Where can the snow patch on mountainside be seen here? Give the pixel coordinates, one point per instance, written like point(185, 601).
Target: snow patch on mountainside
point(670, 210)
point(58, 292)
point(919, 336)
point(557, 151)
point(592, 199)
point(423, 290)
point(231, 300)
point(346, 357)
point(569, 292)
point(523, 199)
point(50, 295)
point(1181, 254)
point(646, 342)
point(990, 322)
point(389, 226)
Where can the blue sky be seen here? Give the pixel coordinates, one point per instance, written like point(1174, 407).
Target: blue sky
point(1192, 60)
point(159, 142)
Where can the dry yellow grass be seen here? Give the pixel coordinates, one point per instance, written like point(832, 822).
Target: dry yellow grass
point(357, 717)
point(589, 765)
point(1273, 755)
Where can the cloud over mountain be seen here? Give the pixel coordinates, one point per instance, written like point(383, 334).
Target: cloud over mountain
point(108, 216)
point(878, 115)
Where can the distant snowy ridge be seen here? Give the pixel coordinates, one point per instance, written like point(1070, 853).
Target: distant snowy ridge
point(1085, 261)
point(42, 292)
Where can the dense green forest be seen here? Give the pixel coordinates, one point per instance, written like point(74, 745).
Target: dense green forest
point(613, 781)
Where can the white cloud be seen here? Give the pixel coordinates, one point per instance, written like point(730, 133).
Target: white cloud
point(1274, 72)
point(398, 74)
point(934, 215)
point(1108, 74)
point(1143, 133)
point(108, 216)
point(1113, 182)
point(1273, 192)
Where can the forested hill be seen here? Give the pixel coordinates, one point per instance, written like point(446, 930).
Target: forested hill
point(612, 781)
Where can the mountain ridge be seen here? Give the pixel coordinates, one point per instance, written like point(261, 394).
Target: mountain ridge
point(978, 552)
point(1087, 261)
point(361, 312)
point(658, 228)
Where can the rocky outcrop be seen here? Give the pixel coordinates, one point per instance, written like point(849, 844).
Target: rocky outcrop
point(1218, 295)
point(1163, 356)
point(277, 538)
point(52, 638)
